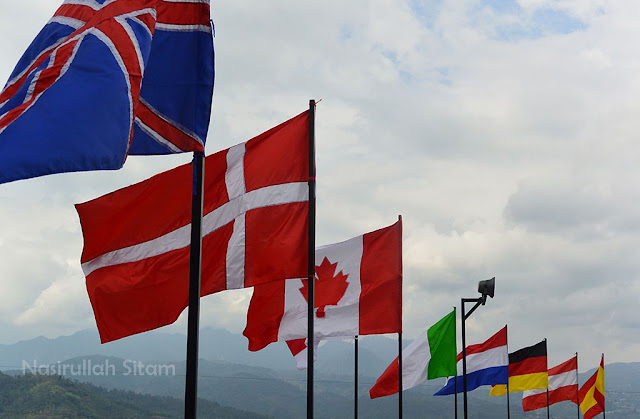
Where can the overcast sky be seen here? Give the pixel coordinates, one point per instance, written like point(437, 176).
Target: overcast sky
point(505, 133)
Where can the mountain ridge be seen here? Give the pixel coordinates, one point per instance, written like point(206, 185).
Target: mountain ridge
point(267, 382)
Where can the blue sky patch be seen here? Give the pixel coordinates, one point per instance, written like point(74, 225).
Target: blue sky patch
point(504, 6)
point(346, 32)
point(426, 11)
point(523, 25)
point(555, 21)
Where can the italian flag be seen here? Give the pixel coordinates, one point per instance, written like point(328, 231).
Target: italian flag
point(431, 355)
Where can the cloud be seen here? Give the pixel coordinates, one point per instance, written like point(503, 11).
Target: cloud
point(513, 157)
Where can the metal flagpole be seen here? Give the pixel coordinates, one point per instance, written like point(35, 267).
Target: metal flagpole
point(311, 261)
point(355, 389)
point(604, 409)
point(506, 326)
point(464, 363)
point(455, 386)
point(195, 268)
point(548, 413)
point(455, 396)
point(508, 401)
point(400, 375)
point(400, 335)
point(577, 387)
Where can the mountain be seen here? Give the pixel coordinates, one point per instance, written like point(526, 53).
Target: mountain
point(44, 396)
point(215, 345)
point(266, 382)
point(280, 394)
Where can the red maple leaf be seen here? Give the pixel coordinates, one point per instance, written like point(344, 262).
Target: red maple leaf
point(328, 289)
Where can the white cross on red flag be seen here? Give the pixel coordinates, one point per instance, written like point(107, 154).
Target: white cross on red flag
point(254, 229)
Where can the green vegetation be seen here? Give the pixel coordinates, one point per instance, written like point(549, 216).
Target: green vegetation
point(48, 396)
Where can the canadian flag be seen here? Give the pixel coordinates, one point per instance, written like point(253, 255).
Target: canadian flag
point(358, 291)
point(254, 228)
point(298, 348)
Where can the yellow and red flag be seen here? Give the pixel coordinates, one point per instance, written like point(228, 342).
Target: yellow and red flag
point(591, 395)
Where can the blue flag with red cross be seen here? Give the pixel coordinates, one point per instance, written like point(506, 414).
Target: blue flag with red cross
point(107, 78)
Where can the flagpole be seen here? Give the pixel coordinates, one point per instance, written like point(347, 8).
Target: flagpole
point(548, 413)
point(455, 396)
point(400, 375)
point(400, 333)
point(604, 408)
point(355, 390)
point(506, 326)
point(508, 401)
point(195, 269)
point(455, 387)
point(577, 387)
point(311, 260)
point(464, 363)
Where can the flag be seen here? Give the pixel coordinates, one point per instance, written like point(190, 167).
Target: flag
point(591, 394)
point(431, 355)
point(358, 291)
point(527, 370)
point(298, 348)
point(487, 363)
point(563, 386)
point(254, 230)
point(77, 99)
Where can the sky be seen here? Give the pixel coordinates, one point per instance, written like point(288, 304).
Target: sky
point(504, 132)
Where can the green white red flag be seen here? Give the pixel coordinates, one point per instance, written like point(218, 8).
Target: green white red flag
point(431, 355)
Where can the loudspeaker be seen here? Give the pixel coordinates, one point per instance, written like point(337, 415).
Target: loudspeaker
point(487, 287)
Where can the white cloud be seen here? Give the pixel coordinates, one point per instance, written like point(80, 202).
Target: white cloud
point(513, 159)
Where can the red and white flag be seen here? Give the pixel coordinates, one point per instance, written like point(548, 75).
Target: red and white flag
point(298, 348)
point(563, 386)
point(254, 228)
point(358, 291)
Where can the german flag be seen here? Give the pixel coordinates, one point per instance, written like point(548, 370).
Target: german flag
point(527, 370)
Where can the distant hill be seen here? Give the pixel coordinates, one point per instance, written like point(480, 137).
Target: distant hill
point(40, 396)
point(215, 345)
point(267, 382)
point(282, 394)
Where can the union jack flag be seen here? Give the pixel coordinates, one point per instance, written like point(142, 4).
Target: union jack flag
point(108, 78)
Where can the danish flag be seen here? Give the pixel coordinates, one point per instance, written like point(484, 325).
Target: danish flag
point(254, 231)
point(105, 78)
